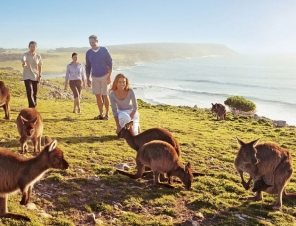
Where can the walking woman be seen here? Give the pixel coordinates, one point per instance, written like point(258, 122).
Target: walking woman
point(124, 104)
point(75, 75)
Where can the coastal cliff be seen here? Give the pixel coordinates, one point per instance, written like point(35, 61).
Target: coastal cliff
point(55, 60)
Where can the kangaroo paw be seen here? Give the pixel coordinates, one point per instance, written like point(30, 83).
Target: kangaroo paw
point(246, 185)
point(23, 202)
point(273, 207)
point(251, 198)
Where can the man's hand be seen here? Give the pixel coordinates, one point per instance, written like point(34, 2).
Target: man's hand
point(108, 80)
point(39, 79)
point(88, 83)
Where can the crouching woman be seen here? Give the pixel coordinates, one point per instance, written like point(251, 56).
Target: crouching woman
point(124, 104)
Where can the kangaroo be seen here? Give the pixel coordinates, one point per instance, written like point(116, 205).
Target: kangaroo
point(136, 141)
point(19, 172)
point(30, 126)
point(219, 110)
point(268, 163)
point(161, 157)
point(5, 99)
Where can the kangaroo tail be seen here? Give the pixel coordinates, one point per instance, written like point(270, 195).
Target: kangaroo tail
point(16, 216)
point(288, 195)
point(132, 176)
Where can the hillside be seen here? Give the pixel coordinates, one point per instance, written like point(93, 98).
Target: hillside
point(93, 150)
point(55, 61)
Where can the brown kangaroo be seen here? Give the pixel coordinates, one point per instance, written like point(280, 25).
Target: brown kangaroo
point(5, 99)
point(270, 164)
point(30, 126)
point(161, 157)
point(19, 172)
point(219, 110)
point(136, 141)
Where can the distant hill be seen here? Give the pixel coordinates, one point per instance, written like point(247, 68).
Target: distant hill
point(166, 51)
point(163, 49)
point(123, 55)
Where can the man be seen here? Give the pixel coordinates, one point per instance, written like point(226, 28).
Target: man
point(99, 64)
point(32, 64)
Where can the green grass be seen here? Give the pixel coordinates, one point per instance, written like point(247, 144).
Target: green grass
point(93, 149)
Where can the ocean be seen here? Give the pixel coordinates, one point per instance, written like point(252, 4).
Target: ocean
point(268, 81)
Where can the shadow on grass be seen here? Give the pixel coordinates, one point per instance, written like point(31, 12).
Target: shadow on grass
point(69, 140)
point(87, 139)
point(82, 193)
point(73, 118)
point(246, 212)
point(6, 121)
point(10, 144)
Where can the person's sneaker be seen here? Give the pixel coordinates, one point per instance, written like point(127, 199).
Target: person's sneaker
point(106, 117)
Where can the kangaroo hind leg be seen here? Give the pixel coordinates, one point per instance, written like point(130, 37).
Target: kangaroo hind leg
point(5, 214)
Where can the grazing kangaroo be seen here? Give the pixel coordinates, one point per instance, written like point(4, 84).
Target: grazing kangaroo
point(219, 110)
point(19, 172)
point(136, 141)
point(5, 99)
point(30, 126)
point(161, 157)
point(270, 164)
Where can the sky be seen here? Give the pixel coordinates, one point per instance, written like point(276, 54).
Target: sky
point(252, 26)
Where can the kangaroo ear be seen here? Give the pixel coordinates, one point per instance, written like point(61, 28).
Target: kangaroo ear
point(52, 145)
point(23, 119)
point(34, 120)
point(255, 142)
point(212, 104)
point(240, 142)
point(187, 167)
point(47, 140)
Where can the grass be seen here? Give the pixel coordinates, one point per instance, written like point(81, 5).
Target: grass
point(93, 149)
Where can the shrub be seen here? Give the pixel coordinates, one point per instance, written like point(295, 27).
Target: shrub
point(240, 103)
